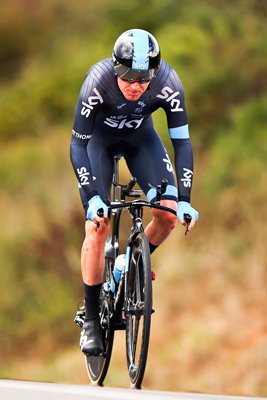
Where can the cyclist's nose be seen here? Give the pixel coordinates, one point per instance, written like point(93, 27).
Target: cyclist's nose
point(135, 85)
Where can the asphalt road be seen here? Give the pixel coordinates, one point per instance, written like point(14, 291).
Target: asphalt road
point(17, 390)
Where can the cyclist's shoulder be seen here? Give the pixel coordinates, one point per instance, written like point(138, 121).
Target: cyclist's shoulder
point(101, 69)
point(100, 76)
point(168, 77)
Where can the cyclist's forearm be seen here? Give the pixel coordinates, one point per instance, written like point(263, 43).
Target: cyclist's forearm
point(82, 169)
point(184, 168)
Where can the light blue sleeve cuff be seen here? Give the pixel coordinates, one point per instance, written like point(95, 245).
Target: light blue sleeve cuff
point(181, 132)
point(170, 191)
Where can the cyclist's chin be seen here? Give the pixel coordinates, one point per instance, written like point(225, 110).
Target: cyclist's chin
point(132, 96)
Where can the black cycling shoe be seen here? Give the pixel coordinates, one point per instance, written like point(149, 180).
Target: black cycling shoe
point(91, 341)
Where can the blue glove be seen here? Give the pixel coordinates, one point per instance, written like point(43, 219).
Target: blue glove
point(185, 208)
point(94, 204)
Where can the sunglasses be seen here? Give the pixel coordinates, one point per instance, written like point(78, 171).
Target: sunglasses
point(141, 80)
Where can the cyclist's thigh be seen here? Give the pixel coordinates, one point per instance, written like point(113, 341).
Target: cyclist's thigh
point(149, 162)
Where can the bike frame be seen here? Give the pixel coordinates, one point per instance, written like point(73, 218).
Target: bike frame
point(135, 208)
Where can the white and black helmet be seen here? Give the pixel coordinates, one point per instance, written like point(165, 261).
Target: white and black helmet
point(136, 56)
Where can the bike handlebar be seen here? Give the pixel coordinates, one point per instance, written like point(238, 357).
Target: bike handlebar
point(143, 203)
point(140, 203)
point(100, 212)
point(187, 218)
point(127, 190)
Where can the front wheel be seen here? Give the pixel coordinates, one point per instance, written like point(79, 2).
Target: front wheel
point(138, 308)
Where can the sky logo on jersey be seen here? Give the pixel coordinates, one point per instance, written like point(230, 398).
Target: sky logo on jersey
point(124, 123)
point(91, 102)
point(139, 110)
point(83, 175)
point(168, 163)
point(171, 97)
point(187, 177)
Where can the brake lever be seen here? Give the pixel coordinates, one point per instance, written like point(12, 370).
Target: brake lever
point(187, 219)
point(100, 213)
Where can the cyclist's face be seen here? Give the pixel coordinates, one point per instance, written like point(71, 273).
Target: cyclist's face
point(132, 90)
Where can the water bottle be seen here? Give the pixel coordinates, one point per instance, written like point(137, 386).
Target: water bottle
point(117, 271)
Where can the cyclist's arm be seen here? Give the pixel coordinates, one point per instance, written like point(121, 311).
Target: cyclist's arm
point(179, 134)
point(173, 102)
point(81, 165)
point(184, 172)
point(184, 167)
point(87, 107)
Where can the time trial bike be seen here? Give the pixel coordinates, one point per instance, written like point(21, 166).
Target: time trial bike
point(126, 301)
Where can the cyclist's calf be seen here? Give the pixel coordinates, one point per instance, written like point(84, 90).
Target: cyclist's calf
point(92, 258)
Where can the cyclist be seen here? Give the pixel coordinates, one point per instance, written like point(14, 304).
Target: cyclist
point(113, 115)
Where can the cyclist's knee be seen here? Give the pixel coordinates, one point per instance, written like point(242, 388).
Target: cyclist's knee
point(168, 220)
point(165, 219)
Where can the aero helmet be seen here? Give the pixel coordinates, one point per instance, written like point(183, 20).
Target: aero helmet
point(136, 56)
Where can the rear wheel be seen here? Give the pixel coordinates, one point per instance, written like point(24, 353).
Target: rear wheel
point(97, 366)
point(138, 307)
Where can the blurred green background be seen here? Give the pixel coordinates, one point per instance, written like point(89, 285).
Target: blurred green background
point(209, 331)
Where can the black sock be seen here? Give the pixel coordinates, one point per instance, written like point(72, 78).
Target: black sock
point(152, 247)
point(91, 300)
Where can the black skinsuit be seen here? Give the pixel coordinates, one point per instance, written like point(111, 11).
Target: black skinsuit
point(106, 123)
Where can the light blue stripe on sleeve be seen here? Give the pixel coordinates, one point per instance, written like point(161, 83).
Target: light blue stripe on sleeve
point(182, 132)
point(170, 191)
point(151, 194)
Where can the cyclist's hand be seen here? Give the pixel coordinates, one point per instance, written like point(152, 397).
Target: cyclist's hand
point(186, 208)
point(96, 204)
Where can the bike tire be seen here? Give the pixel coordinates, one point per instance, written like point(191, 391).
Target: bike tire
point(97, 366)
point(138, 308)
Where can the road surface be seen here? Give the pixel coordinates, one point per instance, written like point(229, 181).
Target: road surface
point(18, 390)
